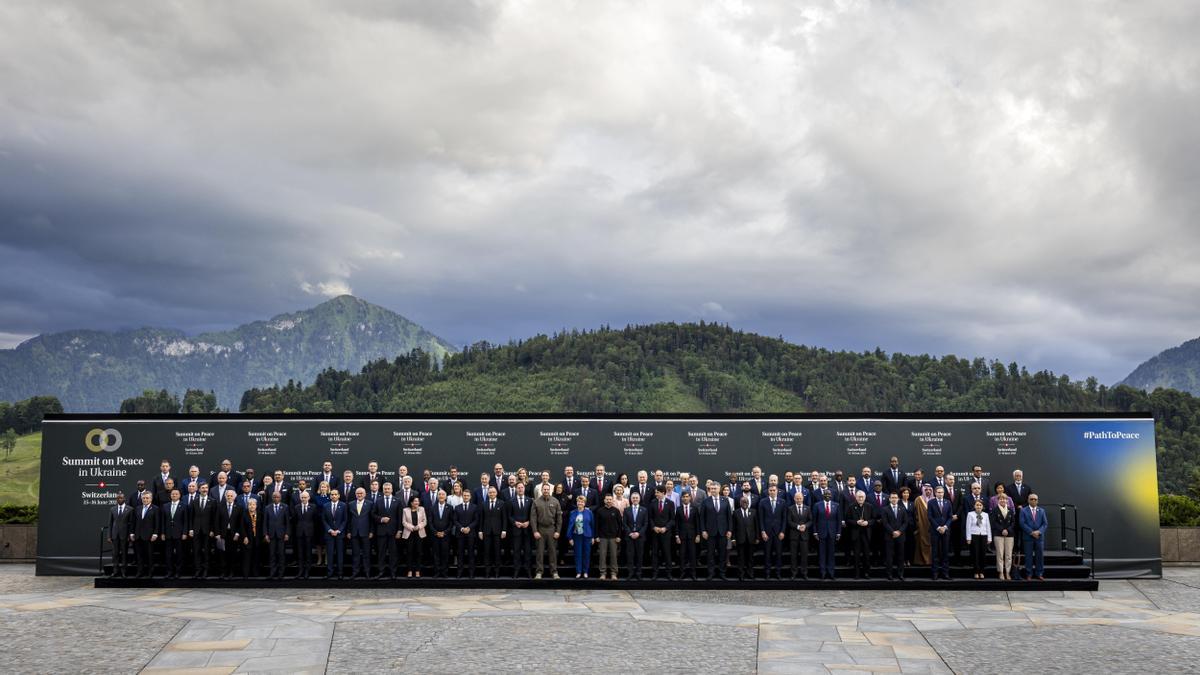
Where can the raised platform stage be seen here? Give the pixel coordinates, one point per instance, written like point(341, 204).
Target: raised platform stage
point(1065, 571)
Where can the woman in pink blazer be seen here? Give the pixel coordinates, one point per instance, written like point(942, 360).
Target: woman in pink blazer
point(414, 532)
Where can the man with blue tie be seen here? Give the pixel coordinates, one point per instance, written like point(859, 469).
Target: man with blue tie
point(828, 517)
point(893, 479)
point(1033, 526)
point(940, 521)
point(358, 529)
point(716, 528)
point(277, 532)
point(334, 520)
point(386, 515)
point(174, 530)
point(772, 521)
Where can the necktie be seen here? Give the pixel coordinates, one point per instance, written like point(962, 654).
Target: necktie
point(120, 509)
point(827, 513)
point(387, 502)
point(276, 510)
point(635, 514)
point(173, 505)
point(520, 502)
point(493, 506)
point(303, 509)
point(895, 512)
point(686, 512)
point(202, 500)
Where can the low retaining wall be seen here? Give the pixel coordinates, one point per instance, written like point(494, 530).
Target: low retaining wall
point(1180, 544)
point(18, 543)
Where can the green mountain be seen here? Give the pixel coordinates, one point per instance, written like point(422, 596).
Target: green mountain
point(94, 370)
point(1176, 368)
point(707, 367)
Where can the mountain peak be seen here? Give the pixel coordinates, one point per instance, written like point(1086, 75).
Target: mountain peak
point(1174, 368)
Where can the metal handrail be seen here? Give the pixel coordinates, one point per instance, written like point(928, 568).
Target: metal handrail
point(1062, 523)
point(1090, 550)
point(103, 538)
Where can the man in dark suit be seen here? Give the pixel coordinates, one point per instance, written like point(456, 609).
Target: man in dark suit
point(643, 488)
point(602, 483)
point(228, 523)
point(878, 499)
point(590, 496)
point(372, 474)
point(326, 475)
point(162, 492)
point(174, 530)
point(441, 532)
point(985, 484)
point(305, 516)
point(279, 484)
point(859, 523)
point(662, 531)
point(480, 494)
point(716, 529)
point(347, 487)
point(135, 498)
point(120, 531)
point(958, 518)
point(246, 495)
point(893, 520)
point(386, 516)
point(499, 479)
point(466, 524)
point(799, 523)
point(522, 537)
point(145, 533)
point(893, 479)
point(570, 481)
point(447, 483)
point(277, 529)
point(358, 531)
point(745, 534)
point(772, 525)
point(493, 529)
point(1018, 490)
point(635, 523)
point(192, 477)
point(687, 535)
point(333, 520)
point(941, 523)
point(828, 520)
point(232, 478)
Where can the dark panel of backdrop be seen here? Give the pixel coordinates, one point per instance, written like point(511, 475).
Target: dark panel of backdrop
point(1105, 465)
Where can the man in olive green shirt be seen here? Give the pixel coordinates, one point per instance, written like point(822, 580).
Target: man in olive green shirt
point(546, 517)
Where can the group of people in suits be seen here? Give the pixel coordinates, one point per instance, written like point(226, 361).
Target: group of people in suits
point(367, 525)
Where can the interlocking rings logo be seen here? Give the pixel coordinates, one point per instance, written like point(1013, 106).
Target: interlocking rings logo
point(102, 440)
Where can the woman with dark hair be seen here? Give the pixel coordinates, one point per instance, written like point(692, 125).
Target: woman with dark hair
point(414, 534)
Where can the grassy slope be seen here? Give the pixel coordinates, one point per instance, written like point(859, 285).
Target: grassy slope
point(20, 474)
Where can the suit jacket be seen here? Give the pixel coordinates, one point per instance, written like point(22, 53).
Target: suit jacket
point(392, 512)
point(305, 524)
point(1019, 497)
point(878, 501)
point(334, 518)
point(605, 488)
point(233, 479)
point(442, 523)
point(592, 498)
point(715, 519)
point(772, 521)
point(745, 525)
point(333, 481)
point(217, 496)
point(894, 521)
point(1031, 523)
point(405, 496)
point(358, 522)
point(410, 525)
point(1000, 523)
point(229, 525)
point(854, 513)
point(183, 484)
point(466, 515)
point(939, 516)
point(285, 493)
point(641, 524)
point(893, 484)
point(645, 490)
point(346, 490)
point(364, 482)
point(120, 526)
point(796, 518)
point(493, 521)
point(828, 526)
point(175, 527)
point(243, 499)
point(277, 525)
point(159, 487)
point(519, 512)
point(984, 481)
point(571, 486)
point(687, 526)
point(145, 526)
point(662, 514)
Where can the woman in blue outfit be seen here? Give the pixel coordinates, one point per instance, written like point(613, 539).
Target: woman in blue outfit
point(579, 526)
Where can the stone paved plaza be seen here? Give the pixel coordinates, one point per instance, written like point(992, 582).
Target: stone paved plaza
point(62, 624)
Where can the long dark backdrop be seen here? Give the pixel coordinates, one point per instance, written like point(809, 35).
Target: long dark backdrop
point(1103, 464)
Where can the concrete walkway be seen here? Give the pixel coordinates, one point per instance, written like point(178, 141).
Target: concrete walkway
point(62, 624)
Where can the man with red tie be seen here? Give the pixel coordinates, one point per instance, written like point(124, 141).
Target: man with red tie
point(828, 517)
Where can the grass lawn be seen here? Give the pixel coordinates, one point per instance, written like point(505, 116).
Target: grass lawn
point(21, 472)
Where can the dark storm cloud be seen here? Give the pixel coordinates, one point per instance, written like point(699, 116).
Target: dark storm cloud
point(1012, 181)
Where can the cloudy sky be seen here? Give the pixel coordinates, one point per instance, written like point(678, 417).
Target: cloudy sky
point(1014, 180)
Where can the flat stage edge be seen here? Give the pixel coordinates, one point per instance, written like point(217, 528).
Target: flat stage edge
point(909, 584)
